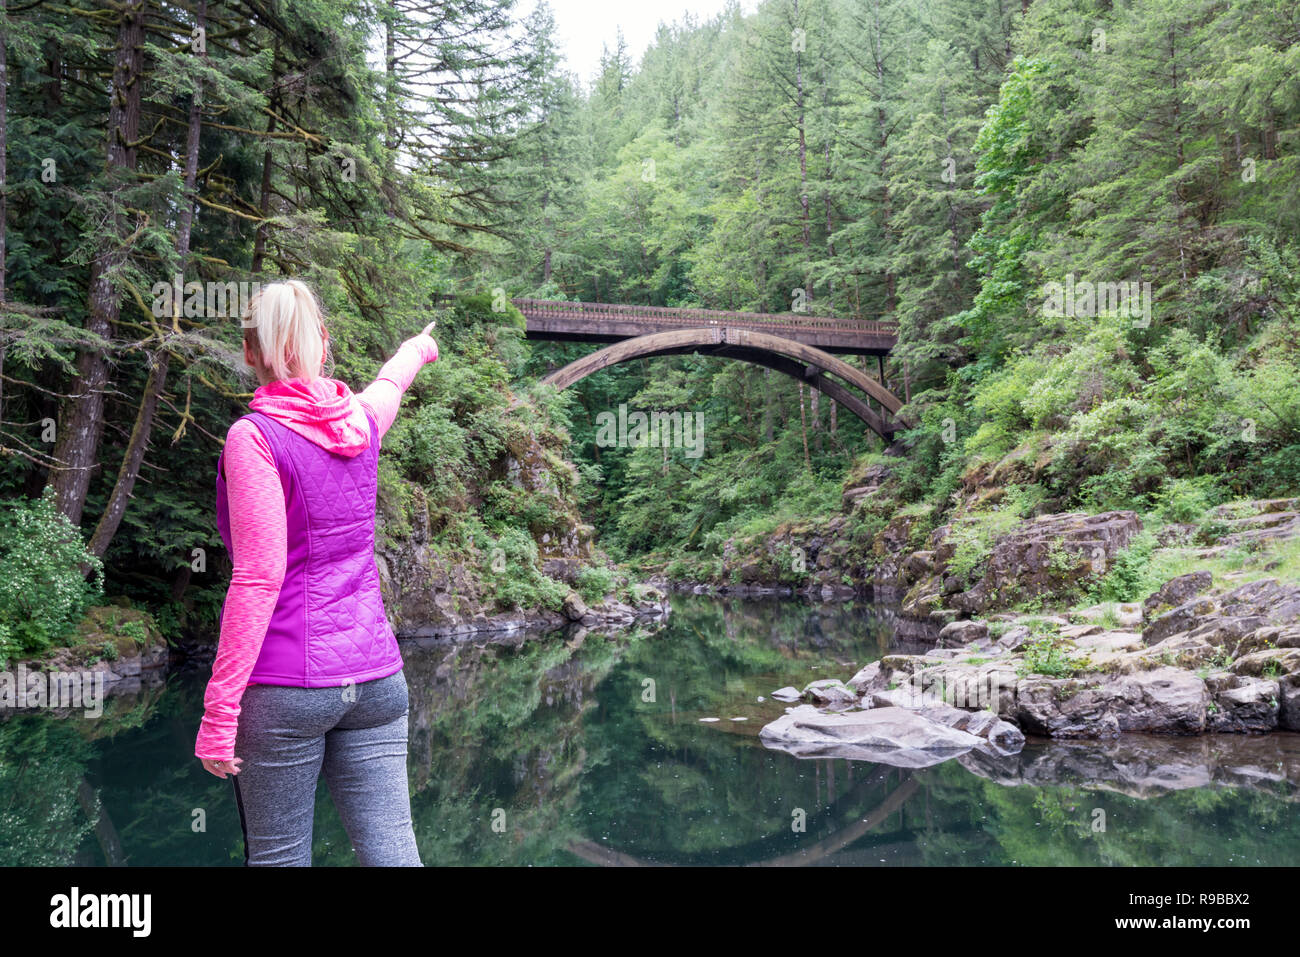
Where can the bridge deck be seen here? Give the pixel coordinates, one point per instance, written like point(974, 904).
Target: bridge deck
point(604, 322)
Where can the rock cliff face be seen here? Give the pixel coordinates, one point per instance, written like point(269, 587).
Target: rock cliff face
point(429, 592)
point(1041, 558)
point(967, 567)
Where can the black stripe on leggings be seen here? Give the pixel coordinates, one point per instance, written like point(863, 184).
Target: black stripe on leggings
point(243, 826)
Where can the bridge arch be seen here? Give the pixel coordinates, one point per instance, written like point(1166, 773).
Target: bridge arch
point(798, 360)
point(809, 855)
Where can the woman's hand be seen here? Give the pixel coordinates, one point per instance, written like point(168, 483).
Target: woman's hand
point(425, 343)
point(221, 768)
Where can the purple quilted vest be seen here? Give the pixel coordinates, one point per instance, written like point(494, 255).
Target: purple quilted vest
point(329, 626)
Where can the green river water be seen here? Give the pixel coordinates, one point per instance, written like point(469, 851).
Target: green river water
point(578, 749)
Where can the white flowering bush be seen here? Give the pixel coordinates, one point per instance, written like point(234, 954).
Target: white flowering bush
point(43, 589)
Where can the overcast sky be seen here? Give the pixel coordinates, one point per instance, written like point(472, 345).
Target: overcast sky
point(581, 26)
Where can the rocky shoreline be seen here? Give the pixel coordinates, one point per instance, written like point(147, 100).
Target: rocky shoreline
point(124, 664)
point(763, 589)
point(654, 606)
point(1202, 654)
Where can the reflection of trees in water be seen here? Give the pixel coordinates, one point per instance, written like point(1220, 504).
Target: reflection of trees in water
point(830, 829)
point(41, 766)
point(697, 798)
point(150, 786)
point(500, 725)
point(50, 812)
point(791, 627)
point(555, 732)
point(1211, 800)
point(677, 795)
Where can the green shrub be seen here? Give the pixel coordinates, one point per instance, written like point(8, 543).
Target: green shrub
point(43, 593)
point(520, 583)
point(1187, 500)
point(1049, 655)
point(974, 540)
point(594, 583)
point(1130, 577)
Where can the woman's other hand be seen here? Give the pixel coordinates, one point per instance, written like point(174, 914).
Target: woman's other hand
point(222, 768)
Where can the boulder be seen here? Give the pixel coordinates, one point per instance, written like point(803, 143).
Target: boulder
point(957, 634)
point(1003, 735)
point(868, 679)
point(1241, 704)
point(575, 609)
point(893, 736)
point(1163, 701)
point(829, 691)
point(1289, 702)
point(1267, 663)
point(1045, 556)
point(1182, 618)
point(786, 694)
point(1177, 591)
point(915, 567)
point(1236, 635)
point(1063, 708)
point(1160, 701)
point(1014, 637)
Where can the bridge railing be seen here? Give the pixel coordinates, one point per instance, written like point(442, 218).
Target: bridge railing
point(669, 316)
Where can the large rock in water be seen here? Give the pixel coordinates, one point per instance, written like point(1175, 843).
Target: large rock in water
point(1005, 737)
point(893, 736)
point(830, 691)
point(1289, 702)
point(1159, 701)
point(1241, 703)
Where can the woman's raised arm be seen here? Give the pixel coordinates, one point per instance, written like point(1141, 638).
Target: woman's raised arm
point(383, 397)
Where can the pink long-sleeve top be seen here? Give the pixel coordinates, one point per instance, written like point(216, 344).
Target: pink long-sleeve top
point(328, 413)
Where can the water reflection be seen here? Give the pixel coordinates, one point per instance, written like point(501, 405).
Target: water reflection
point(589, 748)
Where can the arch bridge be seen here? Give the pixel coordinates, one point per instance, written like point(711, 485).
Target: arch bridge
point(805, 348)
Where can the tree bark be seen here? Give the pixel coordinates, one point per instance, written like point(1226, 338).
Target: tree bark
point(803, 427)
point(4, 107)
point(142, 429)
point(82, 416)
point(264, 202)
point(806, 240)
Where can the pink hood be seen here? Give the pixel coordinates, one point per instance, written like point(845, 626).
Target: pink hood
point(324, 411)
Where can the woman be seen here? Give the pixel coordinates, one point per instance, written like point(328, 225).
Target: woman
point(308, 675)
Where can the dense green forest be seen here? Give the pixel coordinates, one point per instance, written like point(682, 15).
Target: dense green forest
point(937, 163)
point(942, 165)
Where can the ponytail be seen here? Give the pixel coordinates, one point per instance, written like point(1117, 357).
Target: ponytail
point(283, 323)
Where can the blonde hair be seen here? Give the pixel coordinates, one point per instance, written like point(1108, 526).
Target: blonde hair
point(283, 324)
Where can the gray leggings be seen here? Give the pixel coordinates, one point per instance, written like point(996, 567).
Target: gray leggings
point(287, 735)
